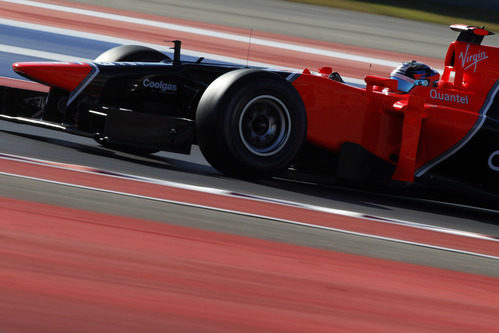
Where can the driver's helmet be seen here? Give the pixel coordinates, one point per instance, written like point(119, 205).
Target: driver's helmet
point(414, 73)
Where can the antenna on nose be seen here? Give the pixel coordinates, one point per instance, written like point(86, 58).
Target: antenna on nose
point(249, 47)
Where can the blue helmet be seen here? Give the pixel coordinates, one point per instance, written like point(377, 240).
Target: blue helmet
point(414, 73)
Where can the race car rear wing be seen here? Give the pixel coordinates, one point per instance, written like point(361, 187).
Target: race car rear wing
point(469, 64)
point(470, 33)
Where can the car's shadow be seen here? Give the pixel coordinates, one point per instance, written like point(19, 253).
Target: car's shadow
point(153, 161)
point(320, 187)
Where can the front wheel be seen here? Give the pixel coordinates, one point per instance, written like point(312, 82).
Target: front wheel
point(250, 123)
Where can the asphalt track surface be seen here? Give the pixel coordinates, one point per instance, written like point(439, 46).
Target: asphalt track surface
point(276, 17)
point(271, 16)
point(301, 20)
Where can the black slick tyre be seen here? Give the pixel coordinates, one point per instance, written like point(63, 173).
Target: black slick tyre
point(250, 123)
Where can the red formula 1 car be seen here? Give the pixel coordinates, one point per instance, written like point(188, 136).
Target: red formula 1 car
point(413, 127)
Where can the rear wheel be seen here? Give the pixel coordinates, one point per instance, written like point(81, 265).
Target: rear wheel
point(250, 123)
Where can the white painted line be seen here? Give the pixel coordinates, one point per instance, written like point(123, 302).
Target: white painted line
point(210, 33)
point(221, 192)
point(216, 209)
point(40, 54)
point(124, 41)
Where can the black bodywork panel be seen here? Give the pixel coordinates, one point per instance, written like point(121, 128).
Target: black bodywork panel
point(149, 105)
point(143, 105)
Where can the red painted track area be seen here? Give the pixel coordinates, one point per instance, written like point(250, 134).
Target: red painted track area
point(68, 269)
point(213, 45)
point(15, 83)
point(70, 174)
point(64, 267)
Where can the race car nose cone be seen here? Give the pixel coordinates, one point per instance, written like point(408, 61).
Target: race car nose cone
point(63, 75)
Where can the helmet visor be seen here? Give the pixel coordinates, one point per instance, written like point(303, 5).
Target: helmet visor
point(405, 83)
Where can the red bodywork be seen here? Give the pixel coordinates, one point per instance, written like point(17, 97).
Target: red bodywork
point(62, 75)
point(407, 130)
point(446, 128)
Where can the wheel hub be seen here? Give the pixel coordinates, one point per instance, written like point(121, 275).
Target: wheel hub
point(264, 125)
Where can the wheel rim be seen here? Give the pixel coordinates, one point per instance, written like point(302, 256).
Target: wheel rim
point(265, 125)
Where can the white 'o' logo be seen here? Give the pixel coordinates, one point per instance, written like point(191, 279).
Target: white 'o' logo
point(493, 166)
